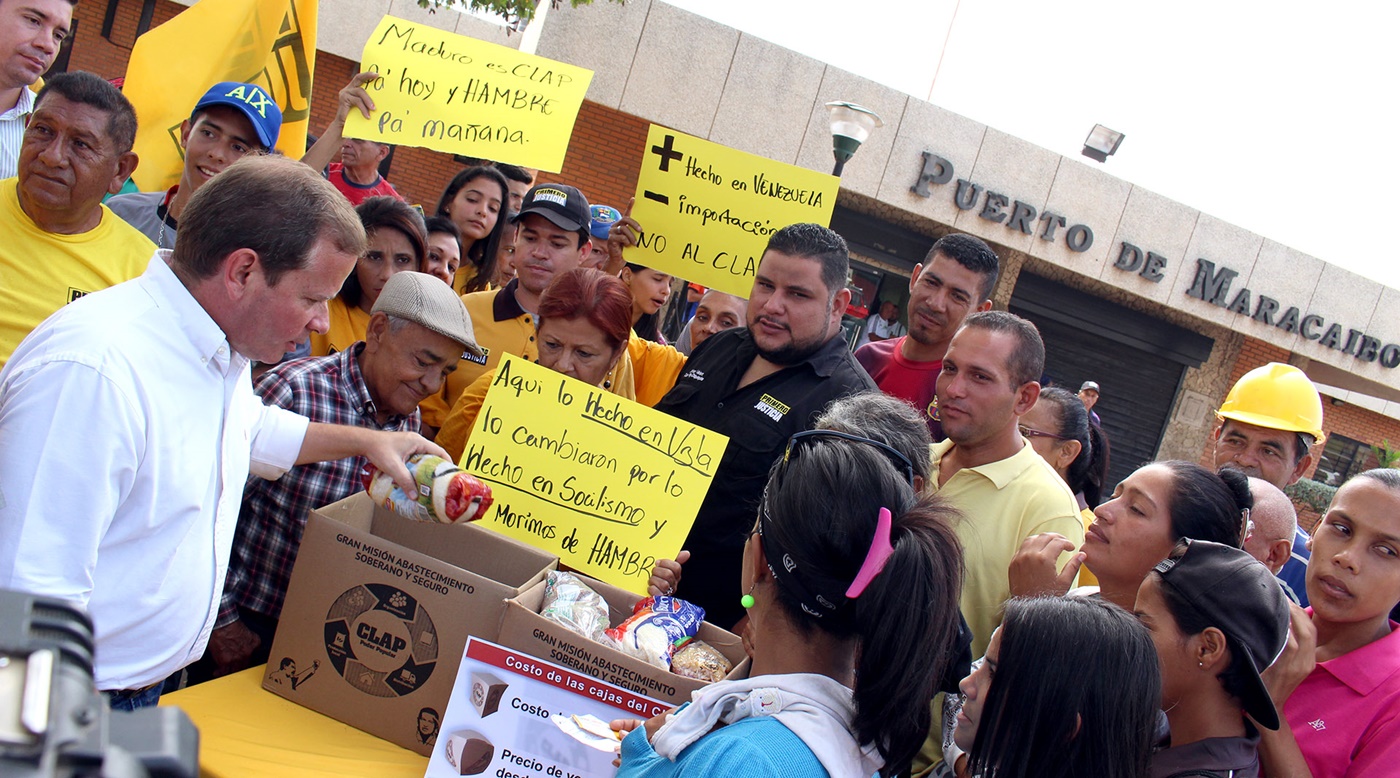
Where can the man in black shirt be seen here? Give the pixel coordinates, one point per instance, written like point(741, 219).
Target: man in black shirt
point(759, 386)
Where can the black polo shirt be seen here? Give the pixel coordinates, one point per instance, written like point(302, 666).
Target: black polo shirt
point(759, 419)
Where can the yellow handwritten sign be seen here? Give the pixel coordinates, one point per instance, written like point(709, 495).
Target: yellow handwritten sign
point(451, 93)
point(708, 210)
point(608, 484)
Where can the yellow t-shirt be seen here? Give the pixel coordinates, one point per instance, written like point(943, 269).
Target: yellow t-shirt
point(348, 326)
point(655, 368)
point(41, 272)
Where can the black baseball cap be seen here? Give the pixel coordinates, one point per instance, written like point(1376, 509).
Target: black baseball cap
point(563, 205)
point(1237, 595)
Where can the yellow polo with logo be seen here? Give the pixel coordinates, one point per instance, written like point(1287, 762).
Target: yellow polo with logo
point(41, 272)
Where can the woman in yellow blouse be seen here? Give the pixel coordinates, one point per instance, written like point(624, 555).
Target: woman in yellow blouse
point(477, 200)
point(585, 321)
point(396, 243)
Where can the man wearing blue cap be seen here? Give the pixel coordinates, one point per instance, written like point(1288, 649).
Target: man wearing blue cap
point(229, 122)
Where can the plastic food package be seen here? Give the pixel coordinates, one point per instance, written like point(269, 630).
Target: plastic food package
point(569, 602)
point(700, 660)
point(446, 493)
point(657, 625)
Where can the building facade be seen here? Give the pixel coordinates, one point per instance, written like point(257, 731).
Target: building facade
point(1163, 305)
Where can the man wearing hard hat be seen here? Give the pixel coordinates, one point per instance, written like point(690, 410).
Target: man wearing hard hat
point(1269, 423)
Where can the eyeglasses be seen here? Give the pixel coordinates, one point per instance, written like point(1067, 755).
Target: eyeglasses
point(1032, 433)
point(898, 460)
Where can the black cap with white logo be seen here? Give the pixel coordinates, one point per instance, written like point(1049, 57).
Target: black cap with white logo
point(563, 205)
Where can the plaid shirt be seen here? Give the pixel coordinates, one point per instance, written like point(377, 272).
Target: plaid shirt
point(330, 390)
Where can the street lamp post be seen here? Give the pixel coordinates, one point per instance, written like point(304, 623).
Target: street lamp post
point(850, 126)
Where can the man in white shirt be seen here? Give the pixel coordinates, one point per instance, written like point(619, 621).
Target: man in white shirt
point(30, 34)
point(882, 326)
point(128, 423)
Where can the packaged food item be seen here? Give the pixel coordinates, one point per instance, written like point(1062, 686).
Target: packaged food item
point(568, 601)
point(657, 625)
point(446, 493)
point(700, 660)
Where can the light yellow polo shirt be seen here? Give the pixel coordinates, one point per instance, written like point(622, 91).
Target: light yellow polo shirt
point(348, 326)
point(1002, 503)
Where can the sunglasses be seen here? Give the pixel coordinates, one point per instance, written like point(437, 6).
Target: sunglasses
point(900, 462)
point(1034, 433)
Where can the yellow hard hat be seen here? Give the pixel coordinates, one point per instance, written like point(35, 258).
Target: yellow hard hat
point(1276, 396)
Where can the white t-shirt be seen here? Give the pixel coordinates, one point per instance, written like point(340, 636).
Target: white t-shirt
point(877, 326)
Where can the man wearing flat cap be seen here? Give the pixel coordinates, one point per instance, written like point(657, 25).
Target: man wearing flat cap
point(417, 332)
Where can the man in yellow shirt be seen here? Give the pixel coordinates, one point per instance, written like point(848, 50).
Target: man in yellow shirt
point(1005, 491)
point(61, 242)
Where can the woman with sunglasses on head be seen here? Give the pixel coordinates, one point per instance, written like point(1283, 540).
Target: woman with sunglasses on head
point(1033, 712)
point(397, 242)
point(1058, 428)
point(851, 623)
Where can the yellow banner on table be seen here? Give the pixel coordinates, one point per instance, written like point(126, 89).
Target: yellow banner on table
point(707, 210)
point(608, 484)
point(271, 43)
point(460, 95)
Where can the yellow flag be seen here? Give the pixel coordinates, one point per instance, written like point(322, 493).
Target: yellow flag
point(271, 43)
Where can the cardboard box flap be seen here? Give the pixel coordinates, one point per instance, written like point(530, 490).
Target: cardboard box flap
point(465, 546)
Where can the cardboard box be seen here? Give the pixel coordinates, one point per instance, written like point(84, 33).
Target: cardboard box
point(378, 612)
point(524, 629)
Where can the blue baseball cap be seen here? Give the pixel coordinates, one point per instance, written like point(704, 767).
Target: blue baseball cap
point(602, 219)
point(252, 101)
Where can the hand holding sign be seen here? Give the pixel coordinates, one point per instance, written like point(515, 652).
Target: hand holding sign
point(460, 95)
point(708, 210)
point(353, 96)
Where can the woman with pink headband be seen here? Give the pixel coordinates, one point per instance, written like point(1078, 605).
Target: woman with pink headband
point(851, 582)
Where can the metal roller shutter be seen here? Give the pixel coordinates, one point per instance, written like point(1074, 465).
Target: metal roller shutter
point(1138, 361)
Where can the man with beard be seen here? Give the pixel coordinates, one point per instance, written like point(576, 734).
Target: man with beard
point(1269, 423)
point(760, 385)
point(956, 279)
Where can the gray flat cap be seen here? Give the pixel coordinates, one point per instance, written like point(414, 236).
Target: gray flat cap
point(429, 302)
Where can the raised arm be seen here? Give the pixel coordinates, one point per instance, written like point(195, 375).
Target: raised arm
point(353, 96)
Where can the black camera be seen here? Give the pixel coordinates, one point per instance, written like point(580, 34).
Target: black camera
point(54, 721)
